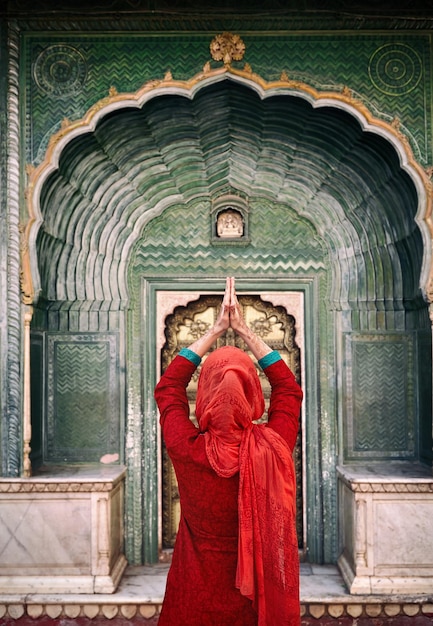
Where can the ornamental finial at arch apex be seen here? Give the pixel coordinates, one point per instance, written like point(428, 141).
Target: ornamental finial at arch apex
point(227, 48)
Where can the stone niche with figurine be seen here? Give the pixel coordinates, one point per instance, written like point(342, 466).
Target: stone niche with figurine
point(62, 531)
point(230, 220)
point(386, 514)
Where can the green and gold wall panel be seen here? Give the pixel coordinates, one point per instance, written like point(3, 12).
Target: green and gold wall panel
point(128, 209)
point(65, 75)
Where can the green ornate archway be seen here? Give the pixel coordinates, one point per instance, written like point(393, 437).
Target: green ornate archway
point(122, 206)
point(323, 153)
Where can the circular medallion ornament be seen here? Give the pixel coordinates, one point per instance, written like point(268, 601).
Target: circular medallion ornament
point(60, 70)
point(395, 69)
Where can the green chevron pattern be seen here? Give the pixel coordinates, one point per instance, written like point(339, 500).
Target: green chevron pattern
point(82, 418)
point(381, 398)
point(67, 75)
point(179, 237)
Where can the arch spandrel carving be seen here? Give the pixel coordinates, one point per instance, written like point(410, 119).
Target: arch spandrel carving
point(343, 100)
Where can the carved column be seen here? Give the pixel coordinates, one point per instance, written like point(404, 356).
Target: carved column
point(431, 322)
point(27, 424)
point(361, 533)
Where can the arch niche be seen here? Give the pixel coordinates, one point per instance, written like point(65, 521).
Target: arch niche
point(120, 210)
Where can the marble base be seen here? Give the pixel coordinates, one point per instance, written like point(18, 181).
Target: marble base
point(386, 517)
point(138, 599)
point(62, 531)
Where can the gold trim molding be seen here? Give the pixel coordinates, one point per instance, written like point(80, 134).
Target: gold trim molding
point(227, 48)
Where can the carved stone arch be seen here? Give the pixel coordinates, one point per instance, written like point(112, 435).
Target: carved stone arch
point(188, 323)
point(370, 213)
point(116, 238)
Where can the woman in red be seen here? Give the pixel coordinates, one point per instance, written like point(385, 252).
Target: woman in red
point(235, 561)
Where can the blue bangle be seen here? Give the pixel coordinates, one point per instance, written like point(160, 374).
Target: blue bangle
point(191, 356)
point(269, 359)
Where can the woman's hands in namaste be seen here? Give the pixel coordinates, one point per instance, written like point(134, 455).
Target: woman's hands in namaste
point(230, 316)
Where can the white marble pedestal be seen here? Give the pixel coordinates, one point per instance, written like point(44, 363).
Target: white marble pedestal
point(386, 528)
point(62, 531)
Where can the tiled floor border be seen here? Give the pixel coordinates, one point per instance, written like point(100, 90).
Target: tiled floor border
point(149, 611)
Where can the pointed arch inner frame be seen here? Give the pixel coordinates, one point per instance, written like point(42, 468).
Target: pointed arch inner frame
point(343, 231)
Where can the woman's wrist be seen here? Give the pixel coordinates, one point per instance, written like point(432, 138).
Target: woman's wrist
point(255, 343)
point(206, 341)
point(269, 359)
point(190, 355)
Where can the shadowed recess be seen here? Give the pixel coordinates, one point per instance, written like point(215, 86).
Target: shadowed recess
point(317, 162)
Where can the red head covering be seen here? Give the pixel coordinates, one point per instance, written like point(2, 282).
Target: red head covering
point(229, 398)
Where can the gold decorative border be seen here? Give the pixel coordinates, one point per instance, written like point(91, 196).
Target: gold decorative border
point(115, 100)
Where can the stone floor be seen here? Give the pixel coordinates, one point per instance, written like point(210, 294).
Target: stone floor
point(324, 601)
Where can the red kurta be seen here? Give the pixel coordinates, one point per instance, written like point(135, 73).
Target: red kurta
point(201, 582)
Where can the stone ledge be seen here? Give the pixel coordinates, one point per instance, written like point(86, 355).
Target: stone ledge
point(81, 479)
point(398, 477)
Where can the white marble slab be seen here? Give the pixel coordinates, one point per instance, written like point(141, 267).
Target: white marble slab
point(62, 530)
point(386, 514)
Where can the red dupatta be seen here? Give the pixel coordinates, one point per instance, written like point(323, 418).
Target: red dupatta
point(229, 399)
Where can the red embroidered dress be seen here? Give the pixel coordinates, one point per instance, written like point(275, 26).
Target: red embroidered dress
point(235, 562)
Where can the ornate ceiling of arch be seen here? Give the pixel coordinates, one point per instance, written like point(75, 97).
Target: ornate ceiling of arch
point(177, 147)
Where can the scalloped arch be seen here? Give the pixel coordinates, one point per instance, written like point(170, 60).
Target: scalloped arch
point(352, 175)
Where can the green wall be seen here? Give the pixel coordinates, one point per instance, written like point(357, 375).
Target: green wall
point(64, 74)
point(368, 385)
